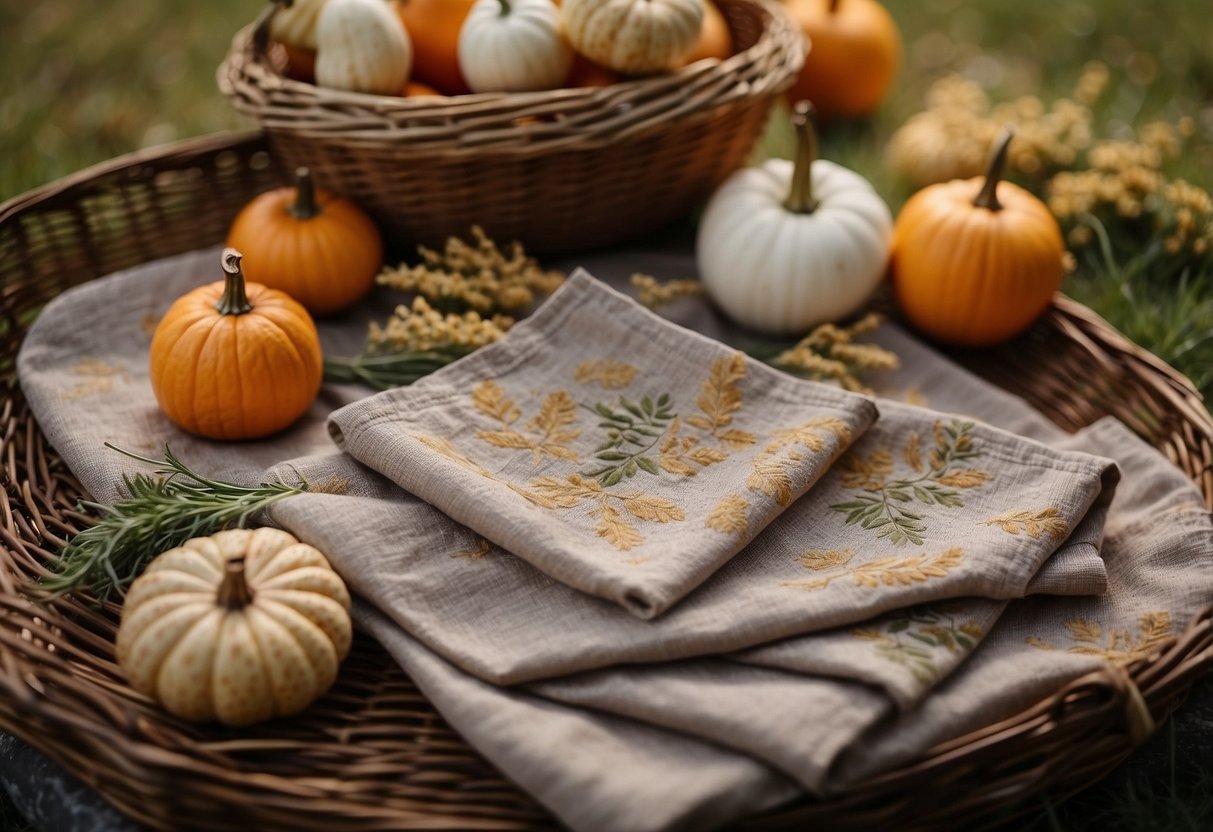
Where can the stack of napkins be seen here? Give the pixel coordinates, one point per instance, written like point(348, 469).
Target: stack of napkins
point(662, 585)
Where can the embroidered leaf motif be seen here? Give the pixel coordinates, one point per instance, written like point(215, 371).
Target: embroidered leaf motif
point(918, 638)
point(730, 516)
point(1120, 647)
point(506, 439)
point(1032, 523)
point(719, 398)
point(968, 478)
point(446, 449)
point(490, 399)
point(818, 559)
point(615, 530)
point(884, 507)
point(479, 553)
point(652, 508)
point(892, 571)
point(678, 452)
point(567, 493)
point(611, 375)
point(97, 377)
point(913, 454)
point(868, 473)
point(770, 475)
point(633, 429)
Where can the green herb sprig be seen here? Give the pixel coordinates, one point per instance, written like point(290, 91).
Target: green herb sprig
point(383, 371)
point(161, 511)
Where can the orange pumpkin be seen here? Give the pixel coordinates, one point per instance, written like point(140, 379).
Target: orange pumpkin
point(235, 361)
point(854, 53)
point(433, 27)
point(320, 249)
point(586, 73)
point(715, 39)
point(975, 263)
point(416, 89)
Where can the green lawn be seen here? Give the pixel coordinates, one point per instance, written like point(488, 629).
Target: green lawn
point(80, 83)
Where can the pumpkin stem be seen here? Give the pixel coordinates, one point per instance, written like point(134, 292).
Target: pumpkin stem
point(800, 197)
point(304, 206)
point(988, 197)
point(234, 592)
point(505, 7)
point(234, 301)
point(834, 6)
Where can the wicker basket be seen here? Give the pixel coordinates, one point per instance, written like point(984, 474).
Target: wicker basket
point(564, 170)
point(373, 754)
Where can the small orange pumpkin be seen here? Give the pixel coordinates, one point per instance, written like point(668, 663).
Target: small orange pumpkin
point(715, 39)
point(973, 263)
point(433, 27)
point(320, 249)
point(235, 361)
point(854, 53)
point(416, 89)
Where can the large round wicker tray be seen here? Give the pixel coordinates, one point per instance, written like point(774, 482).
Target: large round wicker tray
point(373, 754)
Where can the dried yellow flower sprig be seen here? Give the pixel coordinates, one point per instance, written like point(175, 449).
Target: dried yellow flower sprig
point(655, 293)
point(458, 294)
point(830, 353)
point(477, 275)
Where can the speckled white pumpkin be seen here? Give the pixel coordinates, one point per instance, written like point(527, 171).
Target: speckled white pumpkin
point(361, 46)
point(238, 627)
point(635, 37)
point(513, 46)
point(295, 25)
point(788, 245)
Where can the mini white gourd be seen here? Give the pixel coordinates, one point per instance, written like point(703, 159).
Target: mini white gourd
point(238, 627)
point(295, 25)
point(361, 46)
point(635, 37)
point(788, 245)
point(513, 46)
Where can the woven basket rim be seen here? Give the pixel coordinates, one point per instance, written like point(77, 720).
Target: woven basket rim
point(534, 121)
point(68, 704)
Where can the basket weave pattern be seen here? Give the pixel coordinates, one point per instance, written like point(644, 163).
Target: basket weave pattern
point(562, 170)
point(373, 754)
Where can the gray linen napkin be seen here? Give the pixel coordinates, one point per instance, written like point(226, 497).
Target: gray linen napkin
point(624, 456)
point(808, 571)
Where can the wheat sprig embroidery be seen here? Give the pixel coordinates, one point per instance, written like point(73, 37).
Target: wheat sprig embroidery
point(730, 516)
point(1115, 646)
point(891, 571)
point(608, 374)
point(547, 433)
point(1033, 523)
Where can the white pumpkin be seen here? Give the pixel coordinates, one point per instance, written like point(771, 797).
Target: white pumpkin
point(513, 46)
point(295, 25)
point(789, 245)
point(361, 46)
point(239, 627)
point(635, 37)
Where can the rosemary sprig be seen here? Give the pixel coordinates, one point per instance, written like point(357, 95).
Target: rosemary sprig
point(383, 371)
point(161, 511)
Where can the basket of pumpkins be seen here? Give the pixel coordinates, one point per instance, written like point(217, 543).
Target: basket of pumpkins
point(565, 124)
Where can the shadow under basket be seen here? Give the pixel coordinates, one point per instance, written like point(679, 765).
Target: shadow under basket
point(373, 754)
point(561, 170)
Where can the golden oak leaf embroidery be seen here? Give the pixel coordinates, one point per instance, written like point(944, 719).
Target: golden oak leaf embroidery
point(1115, 646)
point(482, 550)
point(97, 377)
point(819, 559)
point(913, 454)
point(730, 516)
point(868, 473)
point(891, 571)
point(609, 374)
point(771, 471)
point(613, 526)
point(720, 397)
point(546, 434)
point(1047, 521)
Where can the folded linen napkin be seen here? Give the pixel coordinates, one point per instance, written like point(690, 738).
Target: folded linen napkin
point(923, 508)
point(624, 456)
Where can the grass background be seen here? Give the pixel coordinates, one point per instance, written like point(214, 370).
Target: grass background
point(80, 83)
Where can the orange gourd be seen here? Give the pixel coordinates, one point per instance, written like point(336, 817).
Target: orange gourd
point(586, 73)
point(235, 361)
point(854, 54)
point(298, 64)
point(416, 89)
point(715, 39)
point(975, 263)
point(320, 249)
point(433, 27)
